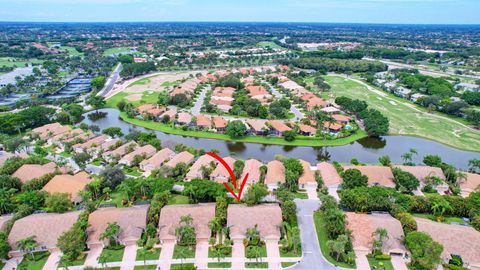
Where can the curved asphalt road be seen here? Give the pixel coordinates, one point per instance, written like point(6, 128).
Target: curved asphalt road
point(312, 255)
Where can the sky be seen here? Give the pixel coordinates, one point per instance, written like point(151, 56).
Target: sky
point(348, 11)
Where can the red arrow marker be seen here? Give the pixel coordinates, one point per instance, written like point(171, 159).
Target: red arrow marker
point(232, 176)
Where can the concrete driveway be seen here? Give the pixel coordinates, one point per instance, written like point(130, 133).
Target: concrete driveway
point(129, 257)
point(398, 263)
point(273, 254)
point(12, 263)
point(201, 254)
point(312, 256)
point(52, 261)
point(238, 254)
point(92, 256)
point(166, 255)
point(362, 261)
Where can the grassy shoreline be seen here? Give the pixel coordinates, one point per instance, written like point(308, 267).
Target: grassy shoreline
point(300, 141)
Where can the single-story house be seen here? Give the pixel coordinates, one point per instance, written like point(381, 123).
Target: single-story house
point(331, 178)
point(421, 172)
point(45, 227)
point(342, 119)
point(252, 167)
point(29, 172)
point(307, 130)
point(120, 151)
point(330, 110)
point(132, 221)
point(377, 175)
point(108, 145)
point(170, 215)
point(455, 239)
point(94, 142)
point(277, 127)
point(157, 159)
point(266, 217)
point(219, 123)
point(332, 127)
point(220, 173)
point(184, 119)
point(50, 130)
point(316, 102)
point(196, 169)
point(203, 121)
point(363, 227)
point(183, 157)
point(170, 113)
point(258, 92)
point(307, 179)
point(470, 184)
point(275, 174)
point(257, 127)
point(145, 151)
point(70, 184)
point(4, 156)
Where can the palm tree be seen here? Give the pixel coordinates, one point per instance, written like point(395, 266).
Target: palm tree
point(218, 253)
point(102, 259)
point(187, 220)
point(28, 244)
point(439, 207)
point(215, 226)
point(111, 233)
point(63, 262)
point(381, 234)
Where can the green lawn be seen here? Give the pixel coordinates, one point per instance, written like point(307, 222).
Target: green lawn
point(270, 44)
point(188, 252)
point(380, 264)
point(147, 97)
point(151, 255)
point(322, 239)
point(256, 265)
point(113, 255)
point(132, 171)
point(17, 62)
point(299, 141)
point(36, 262)
point(301, 195)
point(220, 265)
point(145, 267)
point(447, 220)
point(170, 84)
point(79, 261)
point(228, 252)
point(287, 264)
point(139, 82)
point(409, 119)
point(181, 266)
point(71, 51)
point(263, 251)
point(178, 199)
point(112, 51)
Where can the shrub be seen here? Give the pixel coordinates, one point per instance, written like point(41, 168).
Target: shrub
point(408, 222)
point(385, 257)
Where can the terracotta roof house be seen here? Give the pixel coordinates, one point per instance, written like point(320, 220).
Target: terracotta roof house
point(50, 130)
point(4, 156)
point(456, 239)
point(316, 103)
point(183, 157)
point(267, 218)
point(132, 221)
point(146, 151)
point(144, 108)
point(170, 216)
point(377, 175)
point(31, 171)
point(120, 151)
point(307, 179)
point(278, 127)
point(156, 160)
point(363, 227)
point(70, 184)
point(156, 113)
point(48, 227)
point(70, 135)
point(330, 110)
point(258, 92)
point(257, 127)
point(184, 119)
point(170, 113)
point(203, 121)
point(3, 222)
point(470, 184)
point(223, 105)
point(420, 172)
point(332, 127)
point(220, 173)
point(196, 169)
point(219, 123)
point(252, 167)
point(342, 119)
point(275, 174)
point(94, 142)
point(330, 177)
point(307, 130)
point(223, 93)
point(107, 145)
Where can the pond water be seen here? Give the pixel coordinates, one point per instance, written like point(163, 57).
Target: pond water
point(365, 150)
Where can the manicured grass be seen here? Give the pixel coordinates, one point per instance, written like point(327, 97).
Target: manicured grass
point(112, 51)
point(113, 255)
point(220, 265)
point(139, 82)
point(147, 97)
point(115, 198)
point(299, 141)
point(256, 265)
point(132, 171)
point(322, 239)
point(263, 251)
point(301, 195)
point(409, 119)
point(36, 262)
point(178, 199)
point(270, 44)
point(17, 62)
point(151, 255)
point(170, 84)
point(71, 51)
point(145, 267)
point(287, 264)
point(289, 254)
point(380, 264)
point(228, 252)
point(181, 266)
point(79, 261)
point(448, 220)
point(189, 252)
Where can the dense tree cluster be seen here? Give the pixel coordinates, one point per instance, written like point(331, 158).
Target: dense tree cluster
point(337, 65)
